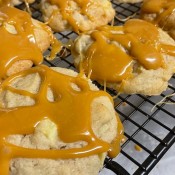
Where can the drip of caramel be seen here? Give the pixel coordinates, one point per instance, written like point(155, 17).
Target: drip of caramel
point(162, 8)
point(27, 7)
point(110, 57)
point(167, 49)
point(115, 146)
point(17, 39)
point(67, 13)
point(138, 148)
point(56, 47)
point(55, 44)
point(70, 112)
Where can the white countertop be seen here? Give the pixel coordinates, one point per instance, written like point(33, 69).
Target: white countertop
point(166, 166)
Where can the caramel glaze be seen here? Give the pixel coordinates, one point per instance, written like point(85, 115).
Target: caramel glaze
point(69, 107)
point(5, 3)
point(137, 148)
point(56, 45)
point(66, 12)
point(9, 3)
point(163, 9)
point(20, 45)
point(137, 40)
point(115, 145)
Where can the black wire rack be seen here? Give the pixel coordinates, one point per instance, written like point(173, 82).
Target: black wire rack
point(152, 130)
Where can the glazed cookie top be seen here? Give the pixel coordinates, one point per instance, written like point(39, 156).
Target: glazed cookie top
point(159, 12)
point(14, 2)
point(77, 15)
point(17, 33)
point(69, 108)
point(5, 3)
point(161, 7)
point(21, 34)
point(129, 1)
point(116, 48)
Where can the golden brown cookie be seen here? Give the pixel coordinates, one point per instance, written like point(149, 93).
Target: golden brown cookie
point(22, 40)
point(161, 13)
point(14, 2)
point(129, 1)
point(76, 15)
point(63, 133)
point(135, 58)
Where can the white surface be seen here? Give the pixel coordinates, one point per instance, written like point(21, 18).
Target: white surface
point(166, 166)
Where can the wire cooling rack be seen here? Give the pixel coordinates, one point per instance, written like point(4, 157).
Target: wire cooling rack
point(152, 130)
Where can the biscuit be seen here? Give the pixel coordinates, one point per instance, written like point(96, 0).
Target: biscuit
point(135, 76)
point(46, 135)
point(76, 15)
point(27, 40)
point(40, 36)
point(162, 14)
point(129, 1)
point(17, 2)
point(14, 2)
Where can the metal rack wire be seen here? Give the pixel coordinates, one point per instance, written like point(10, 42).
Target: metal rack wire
point(153, 131)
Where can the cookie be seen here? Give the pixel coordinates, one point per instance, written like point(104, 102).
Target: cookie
point(14, 2)
point(23, 40)
point(76, 15)
point(55, 125)
point(160, 13)
point(129, 1)
point(135, 58)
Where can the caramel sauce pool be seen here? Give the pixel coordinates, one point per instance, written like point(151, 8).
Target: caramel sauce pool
point(72, 107)
point(137, 40)
point(18, 41)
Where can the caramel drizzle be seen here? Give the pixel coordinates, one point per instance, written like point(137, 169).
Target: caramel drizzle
point(70, 111)
point(99, 58)
point(67, 13)
point(163, 9)
point(115, 145)
point(27, 7)
point(20, 45)
point(56, 45)
point(5, 3)
point(139, 39)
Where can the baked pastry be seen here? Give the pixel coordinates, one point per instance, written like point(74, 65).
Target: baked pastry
point(135, 58)
point(14, 2)
point(17, 2)
point(129, 1)
point(22, 41)
point(80, 16)
point(160, 13)
point(52, 119)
